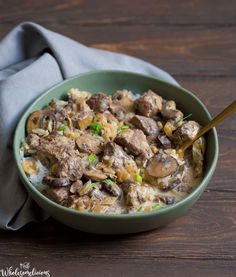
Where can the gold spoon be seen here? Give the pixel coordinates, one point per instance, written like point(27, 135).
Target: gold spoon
point(220, 117)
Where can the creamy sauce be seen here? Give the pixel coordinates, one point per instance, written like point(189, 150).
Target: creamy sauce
point(114, 158)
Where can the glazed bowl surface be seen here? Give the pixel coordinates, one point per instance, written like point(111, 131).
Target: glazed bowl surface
point(109, 81)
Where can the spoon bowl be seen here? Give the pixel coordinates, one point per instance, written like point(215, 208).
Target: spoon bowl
point(211, 124)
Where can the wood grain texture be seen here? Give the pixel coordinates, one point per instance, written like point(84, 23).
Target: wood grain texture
point(120, 12)
point(204, 52)
point(203, 41)
point(195, 41)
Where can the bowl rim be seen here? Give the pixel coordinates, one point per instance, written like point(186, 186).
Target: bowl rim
point(167, 209)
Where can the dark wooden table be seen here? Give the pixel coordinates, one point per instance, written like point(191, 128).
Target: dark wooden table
point(196, 42)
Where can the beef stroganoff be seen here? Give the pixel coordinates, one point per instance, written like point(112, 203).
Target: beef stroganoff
point(112, 154)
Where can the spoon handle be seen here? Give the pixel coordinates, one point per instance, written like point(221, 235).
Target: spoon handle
point(220, 117)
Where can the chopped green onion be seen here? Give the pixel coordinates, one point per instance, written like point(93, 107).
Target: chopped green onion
point(95, 185)
point(140, 209)
point(182, 120)
point(62, 127)
point(108, 182)
point(157, 206)
point(92, 159)
point(138, 179)
point(122, 128)
point(187, 116)
point(96, 128)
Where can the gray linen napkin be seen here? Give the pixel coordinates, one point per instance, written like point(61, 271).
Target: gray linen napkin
point(32, 59)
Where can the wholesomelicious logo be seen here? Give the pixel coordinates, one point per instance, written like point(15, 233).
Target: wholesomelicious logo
point(23, 270)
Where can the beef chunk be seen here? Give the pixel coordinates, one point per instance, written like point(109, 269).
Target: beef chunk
point(52, 148)
point(88, 143)
point(137, 194)
point(72, 167)
point(149, 104)
point(169, 111)
point(57, 146)
point(33, 140)
point(57, 195)
point(116, 156)
point(186, 131)
point(164, 141)
point(59, 151)
point(146, 124)
point(99, 102)
point(134, 141)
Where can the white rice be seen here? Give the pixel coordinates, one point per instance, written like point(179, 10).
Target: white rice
point(36, 179)
point(136, 95)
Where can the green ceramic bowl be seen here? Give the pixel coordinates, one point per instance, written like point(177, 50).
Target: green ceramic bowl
point(110, 81)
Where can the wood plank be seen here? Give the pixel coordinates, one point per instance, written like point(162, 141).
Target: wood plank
point(181, 51)
point(195, 51)
point(103, 12)
point(121, 267)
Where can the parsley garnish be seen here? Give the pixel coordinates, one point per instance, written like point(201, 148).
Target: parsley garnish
point(122, 128)
point(96, 128)
point(62, 127)
point(95, 185)
point(187, 116)
point(157, 206)
point(108, 182)
point(92, 159)
point(138, 178)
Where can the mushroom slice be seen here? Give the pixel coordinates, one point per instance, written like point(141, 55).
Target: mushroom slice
point(56, 182)
point(48, 122)
point(111, 187)
point(57, 194)
point(161, 165)
point(168, 200)
point(33, 121)
point(169, 111)
point(68, 122)
point(94, 175)
point(164, 141)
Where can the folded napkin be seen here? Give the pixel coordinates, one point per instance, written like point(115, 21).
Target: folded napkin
point(33, 59)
